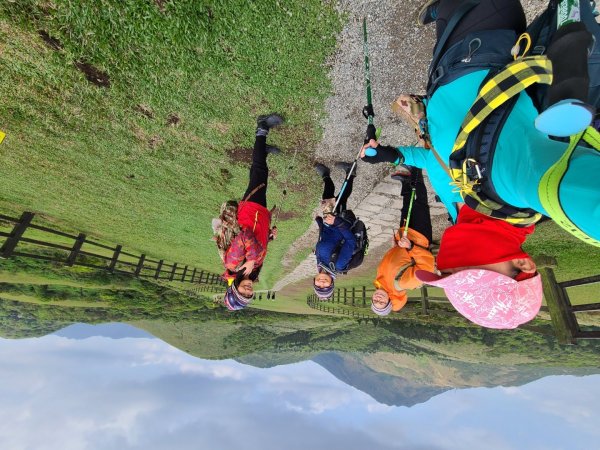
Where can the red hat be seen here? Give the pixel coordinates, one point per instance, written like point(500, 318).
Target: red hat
point(477, 239)
point(489, 298)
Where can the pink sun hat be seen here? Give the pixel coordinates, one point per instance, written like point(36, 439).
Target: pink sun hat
point(489, 298)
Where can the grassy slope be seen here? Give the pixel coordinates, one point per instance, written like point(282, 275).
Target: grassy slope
point(85, 156)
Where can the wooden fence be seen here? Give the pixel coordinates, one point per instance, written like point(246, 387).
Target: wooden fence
point(361, 297)
point(562, 313)
point(112, 258)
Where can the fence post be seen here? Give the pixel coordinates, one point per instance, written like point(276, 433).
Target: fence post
point(184, 273)
point(345, 295)
point(338, 296)
point(193, 275)
point(75, 250)
point(424, 300)
point(563, 319)
point(364, 295)
point(115, 258)
point(353, 295)
point(173, 271)
point(16, 234)
point(160, 264)
point(138, 269)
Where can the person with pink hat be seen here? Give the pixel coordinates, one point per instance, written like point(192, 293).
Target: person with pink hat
point(485, 273)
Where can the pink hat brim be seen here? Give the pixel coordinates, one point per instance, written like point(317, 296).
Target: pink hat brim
point(488, 298)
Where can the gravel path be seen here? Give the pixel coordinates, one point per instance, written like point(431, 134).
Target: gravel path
point(400, 52)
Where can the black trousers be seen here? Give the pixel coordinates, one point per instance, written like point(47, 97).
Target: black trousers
point(487, 15)
point(420, 219)
point(329, 192)
point(259, 173)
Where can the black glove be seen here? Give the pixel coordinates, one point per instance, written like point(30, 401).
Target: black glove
point(385, 153)
point(371, 133)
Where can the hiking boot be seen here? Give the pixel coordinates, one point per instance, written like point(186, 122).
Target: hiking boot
point(346, 167)
point(428, 12)
point(322, 170)
point(272, 150)
point(269, 121)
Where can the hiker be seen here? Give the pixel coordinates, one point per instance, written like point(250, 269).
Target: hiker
point(484, 271)
point(337, 242)
point(411, 108)
point(243, 229)
point(410, 249)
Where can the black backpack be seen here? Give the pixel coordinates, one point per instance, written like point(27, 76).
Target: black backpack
point(542, 30)
point(361, 248)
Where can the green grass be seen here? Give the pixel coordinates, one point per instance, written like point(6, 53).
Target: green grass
point(85, 157)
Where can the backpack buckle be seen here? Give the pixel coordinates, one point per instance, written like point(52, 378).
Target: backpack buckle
point(473, 169)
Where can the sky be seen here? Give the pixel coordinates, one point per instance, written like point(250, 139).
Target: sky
point(100, 392)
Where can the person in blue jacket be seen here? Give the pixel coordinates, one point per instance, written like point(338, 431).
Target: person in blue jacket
point(337, 242)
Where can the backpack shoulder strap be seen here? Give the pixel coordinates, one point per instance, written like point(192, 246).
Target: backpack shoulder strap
point(548, 189)
point(254, 191)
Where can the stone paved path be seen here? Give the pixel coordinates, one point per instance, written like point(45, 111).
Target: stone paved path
point(380, 211)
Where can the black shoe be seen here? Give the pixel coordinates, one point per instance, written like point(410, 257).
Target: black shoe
point(402, 173)
point(269, 121)
point(428, 12)
point(346, 166)
point(322, 170)
point(272, 150)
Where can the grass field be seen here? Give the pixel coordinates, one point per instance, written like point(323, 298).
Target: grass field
point(144, 154)
point(146, 159)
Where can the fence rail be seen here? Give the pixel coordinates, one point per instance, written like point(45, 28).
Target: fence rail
point(113, 260)
point(359, 296)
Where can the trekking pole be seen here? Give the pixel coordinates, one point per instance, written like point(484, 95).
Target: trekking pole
point(413, 185)
point(367, 112)
point(410, 205)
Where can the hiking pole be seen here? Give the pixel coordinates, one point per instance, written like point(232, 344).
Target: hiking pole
point(367, 112)
point(413, 185)
point(410, 205)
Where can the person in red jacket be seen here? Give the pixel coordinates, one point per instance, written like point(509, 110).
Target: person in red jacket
point(243, 229)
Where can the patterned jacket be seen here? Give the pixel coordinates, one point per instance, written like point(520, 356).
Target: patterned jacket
point(244, 247)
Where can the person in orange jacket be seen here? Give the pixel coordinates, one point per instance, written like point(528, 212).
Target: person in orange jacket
point(409, 253)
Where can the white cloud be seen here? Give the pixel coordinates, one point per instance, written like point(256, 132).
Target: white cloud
point(142, 393)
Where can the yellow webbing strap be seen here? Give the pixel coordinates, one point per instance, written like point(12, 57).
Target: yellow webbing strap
point(550, 184)
point(2, 136)
point(515, 77)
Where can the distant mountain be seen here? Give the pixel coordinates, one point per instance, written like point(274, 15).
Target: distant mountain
point(108, 330)
point(396, 362)
point(417, 380)
point(383, 387)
